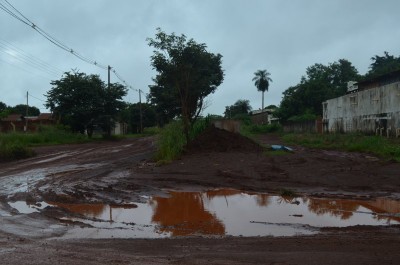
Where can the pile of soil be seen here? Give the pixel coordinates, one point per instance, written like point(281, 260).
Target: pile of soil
point(213, 139)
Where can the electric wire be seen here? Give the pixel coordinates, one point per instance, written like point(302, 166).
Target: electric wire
point(18, 54)
point(21, 17)
point(25, 70)
point(36, 97)
point(46, 35)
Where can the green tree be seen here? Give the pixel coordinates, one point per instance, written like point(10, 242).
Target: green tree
point(242, 106)
point(165, 102)
point(4, 110)
point(82, 101)
point(271, 107)
point(21, 109)
point(261, 81)
point(322, 82)
point(383, 64)
point(187, 74)
point(3, 106)
point(112, 105)
point(131, 115)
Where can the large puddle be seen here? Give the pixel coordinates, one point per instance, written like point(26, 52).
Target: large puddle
point(220, 213)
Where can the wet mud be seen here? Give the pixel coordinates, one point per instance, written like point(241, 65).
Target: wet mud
point(68, 202)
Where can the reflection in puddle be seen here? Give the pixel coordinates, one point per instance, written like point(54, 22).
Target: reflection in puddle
point(25, 208)
point(225, 212)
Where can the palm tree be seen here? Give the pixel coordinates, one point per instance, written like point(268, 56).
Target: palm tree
point(261, 81)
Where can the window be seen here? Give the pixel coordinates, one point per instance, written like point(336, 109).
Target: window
point(398, 89)
point(353, 100)
point(374, 95)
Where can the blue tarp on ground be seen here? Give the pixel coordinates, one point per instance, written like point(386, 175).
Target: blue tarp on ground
point(276, 147)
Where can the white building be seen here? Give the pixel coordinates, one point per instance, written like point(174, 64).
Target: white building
point(371, 106)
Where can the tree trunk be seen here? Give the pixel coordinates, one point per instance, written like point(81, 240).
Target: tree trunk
point(262, 108)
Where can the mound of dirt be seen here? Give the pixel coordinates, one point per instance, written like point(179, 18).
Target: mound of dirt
point(218, 140)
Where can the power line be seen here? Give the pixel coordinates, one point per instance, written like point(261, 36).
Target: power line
point(36, 97)
point(18, 54)
point(25, 70)
point(14, 12)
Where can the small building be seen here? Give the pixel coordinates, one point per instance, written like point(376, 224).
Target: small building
point(371, 106)
point(20, 123)
point(120, 128)
point(265, 116)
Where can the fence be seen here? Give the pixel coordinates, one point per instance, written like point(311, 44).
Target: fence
point(314, 126)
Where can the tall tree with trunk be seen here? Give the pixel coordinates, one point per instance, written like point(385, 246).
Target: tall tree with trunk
point(261, 81)
point(187, 74)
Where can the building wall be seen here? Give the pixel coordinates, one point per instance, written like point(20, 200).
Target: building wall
point(228, 125)
point(120, 128)
point(313, 126)
point(372, 111)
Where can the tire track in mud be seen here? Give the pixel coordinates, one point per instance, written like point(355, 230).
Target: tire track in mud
point(81, 169)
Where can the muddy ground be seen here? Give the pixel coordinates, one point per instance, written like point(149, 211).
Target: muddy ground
point(123, 171)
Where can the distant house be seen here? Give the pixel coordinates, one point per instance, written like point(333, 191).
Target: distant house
point(371, 106)
point(120, 128)
point(265, 116)
point(20, 123)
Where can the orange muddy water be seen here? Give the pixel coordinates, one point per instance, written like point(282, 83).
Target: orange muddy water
point(219, 213)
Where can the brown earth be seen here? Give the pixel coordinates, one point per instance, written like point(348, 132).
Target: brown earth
point(116, 172)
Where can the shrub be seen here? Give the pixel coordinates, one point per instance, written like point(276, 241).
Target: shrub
point(171, 141)
point(14, 150)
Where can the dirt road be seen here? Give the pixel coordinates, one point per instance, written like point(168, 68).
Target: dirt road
point(117, 173)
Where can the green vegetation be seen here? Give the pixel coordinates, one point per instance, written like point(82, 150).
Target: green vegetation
point(250, 130)
point(287, 193)
point(83, 101)
point(14, 150)
point(375, 145)
point(241, 107)
point(172, 140)
point(17, 145)
point(186, 74)
point(261, 81)
point(320, 83)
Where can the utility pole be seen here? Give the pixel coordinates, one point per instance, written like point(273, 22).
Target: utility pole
point(27, 101)
point(109, 69)
point(140, 110)
point(26, 114)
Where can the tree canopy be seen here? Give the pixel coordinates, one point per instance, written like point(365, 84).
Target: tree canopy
point(3, 106)
point(131, 115)
point(17, 109)
point(187, 74)
point(82, 101)
point(242, 106)
point(322, 82)
point(383, 64)
point(21, 109)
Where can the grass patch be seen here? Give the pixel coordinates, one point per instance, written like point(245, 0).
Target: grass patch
point(14, 150)
point(251, 130)
point(375, 145)
point(18, 145)
point(172, 141)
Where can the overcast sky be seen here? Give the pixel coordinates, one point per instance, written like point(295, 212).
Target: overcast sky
point(282, 36)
